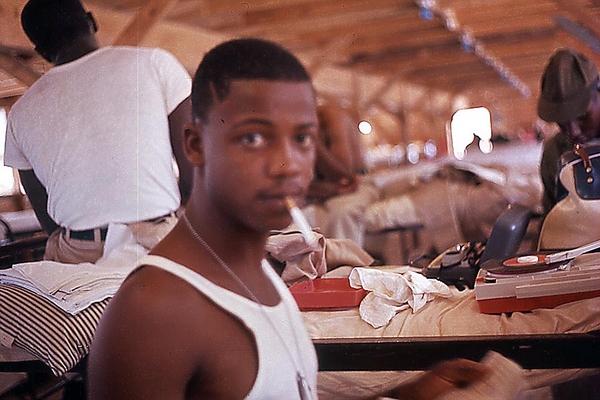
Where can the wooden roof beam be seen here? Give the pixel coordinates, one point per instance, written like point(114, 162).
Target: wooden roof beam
point(577, 9)
point(239, 15)
point(143, 22)
point(340, 23)
point(18, 69)
point(329, 54)
point(432, 37)
point(519, 45)
point(579, 33)
point(7, 102)
point(491, 10)
point(385, 87)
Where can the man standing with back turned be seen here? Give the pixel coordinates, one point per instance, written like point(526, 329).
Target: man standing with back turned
point(91, 137)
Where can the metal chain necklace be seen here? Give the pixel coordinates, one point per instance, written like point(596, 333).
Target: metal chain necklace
point(304, 389)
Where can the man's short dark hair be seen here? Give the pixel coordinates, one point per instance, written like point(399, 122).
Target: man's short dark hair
point(50, 24)
point(241, 59)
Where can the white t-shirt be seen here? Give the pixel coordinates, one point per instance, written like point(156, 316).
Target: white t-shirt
point(95, 132)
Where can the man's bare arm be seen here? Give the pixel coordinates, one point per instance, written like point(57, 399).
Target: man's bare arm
point(38, 197)
point(335, 154)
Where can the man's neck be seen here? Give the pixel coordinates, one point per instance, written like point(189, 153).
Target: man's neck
point(250, 244)
point(76, 50)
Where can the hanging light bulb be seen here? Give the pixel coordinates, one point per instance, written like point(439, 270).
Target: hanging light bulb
point(365, 127)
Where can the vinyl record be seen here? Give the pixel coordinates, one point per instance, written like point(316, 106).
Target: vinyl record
point(528, 260)
point(496, 267)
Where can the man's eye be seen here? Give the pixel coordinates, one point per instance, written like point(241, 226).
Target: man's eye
point(306, 139)
point(253, 140)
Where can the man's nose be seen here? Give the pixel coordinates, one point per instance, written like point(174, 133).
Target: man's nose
point(285, 160)
point(573, 129)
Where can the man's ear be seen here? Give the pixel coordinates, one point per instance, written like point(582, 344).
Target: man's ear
point(192, 144)
point(92, 21)
point(46, 55)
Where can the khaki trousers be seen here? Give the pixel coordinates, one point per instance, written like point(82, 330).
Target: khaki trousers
point(62, 249)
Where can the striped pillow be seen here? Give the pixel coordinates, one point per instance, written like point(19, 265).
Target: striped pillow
point(35, 324)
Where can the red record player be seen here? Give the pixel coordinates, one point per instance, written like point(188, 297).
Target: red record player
point(508, 286)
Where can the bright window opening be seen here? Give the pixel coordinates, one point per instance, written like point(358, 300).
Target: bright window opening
point(465, 125)
point(7, 176)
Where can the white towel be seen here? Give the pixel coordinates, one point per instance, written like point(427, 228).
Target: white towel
point(391, 292)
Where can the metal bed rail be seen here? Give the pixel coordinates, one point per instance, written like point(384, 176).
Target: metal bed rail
point(551, 351)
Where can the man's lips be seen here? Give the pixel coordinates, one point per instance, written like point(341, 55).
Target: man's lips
point(294, 193)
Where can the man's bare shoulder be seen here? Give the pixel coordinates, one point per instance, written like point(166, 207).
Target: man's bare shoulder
point(151, 297)
point(137, 336)
point(161, 306)
point(158, 322)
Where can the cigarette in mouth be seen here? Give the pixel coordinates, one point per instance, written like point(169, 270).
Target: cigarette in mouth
point(300, 220)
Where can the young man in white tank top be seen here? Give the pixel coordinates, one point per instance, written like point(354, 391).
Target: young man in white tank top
point(204, 316)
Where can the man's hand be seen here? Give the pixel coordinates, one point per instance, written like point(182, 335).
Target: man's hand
point(441, 378)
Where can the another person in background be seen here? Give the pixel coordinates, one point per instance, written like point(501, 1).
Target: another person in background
point(196, 319)
point(339, 155)
point(94, 138)
point(569, 97)
point(339, 193)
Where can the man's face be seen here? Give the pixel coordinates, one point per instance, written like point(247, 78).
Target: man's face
point(259, 147)
point(585, 127)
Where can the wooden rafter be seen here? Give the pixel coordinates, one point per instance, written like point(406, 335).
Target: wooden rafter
point(576, 9)
point(18, 69)
point(143, 22)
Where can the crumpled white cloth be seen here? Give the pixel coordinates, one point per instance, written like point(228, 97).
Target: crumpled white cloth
point(301, 259)
point(391, 292)
point(73, 287)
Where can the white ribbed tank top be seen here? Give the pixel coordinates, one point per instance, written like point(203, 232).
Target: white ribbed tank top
point(277, 374)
